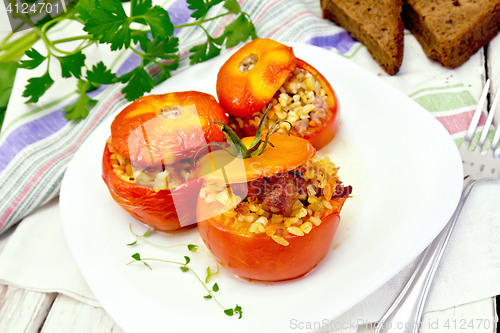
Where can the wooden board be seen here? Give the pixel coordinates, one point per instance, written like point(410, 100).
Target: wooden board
point(493, 65)
point(69, 315)
point(22, 310)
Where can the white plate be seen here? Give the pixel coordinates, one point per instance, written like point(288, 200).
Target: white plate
point(407, 177)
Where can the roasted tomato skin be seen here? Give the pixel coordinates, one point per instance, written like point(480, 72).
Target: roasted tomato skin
point(176, 139)
point(323, 135)
point(320, 136)
point(243, 93)
point(287, 153)
point(156, 208)
point(258, 257)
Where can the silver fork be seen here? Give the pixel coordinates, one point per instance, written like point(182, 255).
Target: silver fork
point(405, 314)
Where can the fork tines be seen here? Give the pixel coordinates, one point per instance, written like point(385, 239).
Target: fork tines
point(493, 149)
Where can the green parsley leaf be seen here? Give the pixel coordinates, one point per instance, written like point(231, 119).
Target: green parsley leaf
point(147, 233)
point(229, 312)
point(107, 22)
point(166, 69)
point(7, 76)
point(184, 269)
point(84, 8)
point(232, 6)
point(239, 31)
point(188, 260)
point(2, 115)
point(100, 74)
point(139, 82)
point(36, 59)
point(133, 243)
point(159, 21)
point(201, 7)
point(79, 109)
point(192, 247)
point(203, 52)
point(198, 53)
point(161, 48)
point(207, 296)
point(72, 64)
point(215, 288)
point(142, 40)
point(220, 40)
point(139, 7)
point(45, 19)
point(37, 86)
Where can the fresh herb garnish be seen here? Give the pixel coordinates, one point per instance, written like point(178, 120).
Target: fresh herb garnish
point(147, 233)
point(184, 268)
point(137, 257)
point(7, 75)
point(210, 274)
point(147, 31)
point(237, 310)
point(237, 146)
point(190, 247)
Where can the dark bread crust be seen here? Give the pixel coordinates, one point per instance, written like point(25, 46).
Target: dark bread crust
point(375, 23)
point(451, 31)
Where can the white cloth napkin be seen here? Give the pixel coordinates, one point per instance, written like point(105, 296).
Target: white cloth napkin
point(37, 257)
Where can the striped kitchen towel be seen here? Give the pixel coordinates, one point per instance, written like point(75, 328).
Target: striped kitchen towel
point(37, 142)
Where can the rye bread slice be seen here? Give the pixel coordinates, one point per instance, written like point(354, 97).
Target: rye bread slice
point(375, 23)
point(451, 31)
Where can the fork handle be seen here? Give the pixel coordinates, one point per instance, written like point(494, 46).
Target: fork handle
point(405, 314)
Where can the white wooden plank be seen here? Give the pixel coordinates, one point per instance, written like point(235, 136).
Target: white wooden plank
point(477, 317)
point(472, 74)
point(70, 315)
point(22, 310)
point(493, 57)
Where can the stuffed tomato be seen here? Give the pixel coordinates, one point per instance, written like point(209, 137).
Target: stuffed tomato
point(279, 223)
point(264, 71)
point(148, 157)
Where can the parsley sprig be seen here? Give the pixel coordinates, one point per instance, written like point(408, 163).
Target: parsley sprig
point(147, 31)
point(184, 268)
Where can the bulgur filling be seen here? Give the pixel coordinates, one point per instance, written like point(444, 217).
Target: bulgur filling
point(292, 202)
point(301, 100)
point(176, 173)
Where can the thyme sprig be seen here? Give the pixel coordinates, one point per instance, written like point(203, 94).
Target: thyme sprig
point(258, 145)
point(184, 268)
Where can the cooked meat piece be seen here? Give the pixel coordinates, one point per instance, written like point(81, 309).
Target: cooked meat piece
point(243, 208)
point(301, 126)
point(282, 196)
point(319, 113)
point(278, 193)
point(341, 191)
point(320, 103)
